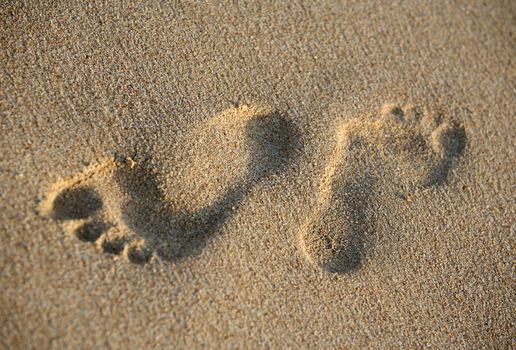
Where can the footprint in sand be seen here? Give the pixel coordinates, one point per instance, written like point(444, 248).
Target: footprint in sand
point(121, 206)
point(402, 151)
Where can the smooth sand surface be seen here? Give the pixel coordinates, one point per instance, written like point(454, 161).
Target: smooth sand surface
point(302, 175)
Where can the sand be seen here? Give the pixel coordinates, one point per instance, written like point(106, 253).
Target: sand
point(270, 175)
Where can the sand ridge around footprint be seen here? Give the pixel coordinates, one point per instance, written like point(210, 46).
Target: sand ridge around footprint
point(122, 207)
point(399, 153)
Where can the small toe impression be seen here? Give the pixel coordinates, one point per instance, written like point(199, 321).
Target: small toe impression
point(137, 252)
point(112, 244)
point(392, 112)
point(90, 231)
point(413, 114)
point(76, 203)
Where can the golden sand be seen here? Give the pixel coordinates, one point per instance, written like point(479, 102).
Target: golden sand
point(277, 175)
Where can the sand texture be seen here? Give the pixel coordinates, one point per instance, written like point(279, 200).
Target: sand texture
point(268, 175)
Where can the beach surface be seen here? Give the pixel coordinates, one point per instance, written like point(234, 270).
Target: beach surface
point(283, 175)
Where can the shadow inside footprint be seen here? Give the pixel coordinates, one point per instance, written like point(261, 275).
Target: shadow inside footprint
point(90, 231)
point(453, 142)
point(172, 233)
point(274, 141)
point(76, 203)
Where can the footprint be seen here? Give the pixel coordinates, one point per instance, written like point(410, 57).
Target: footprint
point(373, 162)
point(120, 204)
